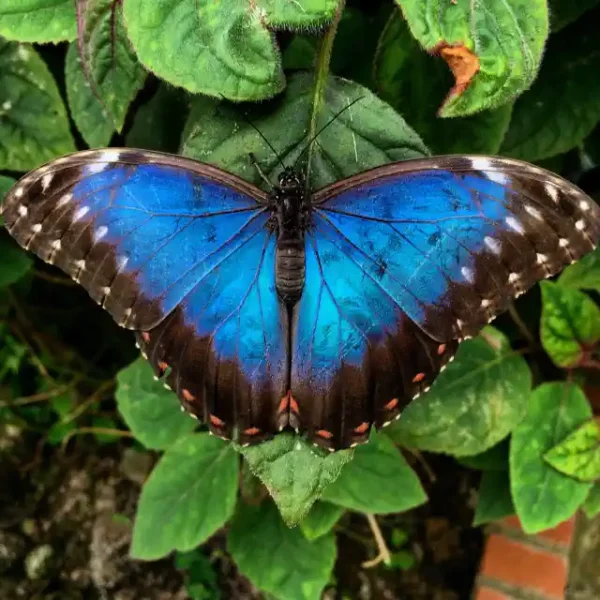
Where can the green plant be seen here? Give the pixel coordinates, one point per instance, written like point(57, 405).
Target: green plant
point(502, 407)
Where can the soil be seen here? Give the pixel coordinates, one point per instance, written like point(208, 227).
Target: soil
point(65, 529)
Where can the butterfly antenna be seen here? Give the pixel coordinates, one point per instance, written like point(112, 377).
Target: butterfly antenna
point(266, 141)
point(320, 131)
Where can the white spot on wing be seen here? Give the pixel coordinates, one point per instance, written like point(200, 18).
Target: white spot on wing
point(110, 156)
point(514, 224)
point(46, 180)
point(513, 278)
point(96, 167)
point(106, 291)
point(56, 244)
point(64, 200)
point(580, 225)
point(19, 191)
point(485, 303)
point(80, 264)
point(80, 213)
point(534, 212)
point(122, 263)
point(22, 210)
point(100, 233)
point(480, 163)
point(541, 258)
point(563, 242)
point(492, 244)
point(552, 191)
point(584, 205)
point(36, 228)
point(468, 274)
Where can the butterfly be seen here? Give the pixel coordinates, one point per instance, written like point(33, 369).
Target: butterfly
point(325, 312)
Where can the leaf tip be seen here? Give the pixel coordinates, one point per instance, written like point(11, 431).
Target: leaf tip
point(464, 65)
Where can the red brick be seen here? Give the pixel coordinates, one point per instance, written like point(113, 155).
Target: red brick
point(517, 564)
point(561, 534)
point(486, 593)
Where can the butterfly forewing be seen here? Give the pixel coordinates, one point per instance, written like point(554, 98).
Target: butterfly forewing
point(180, 252)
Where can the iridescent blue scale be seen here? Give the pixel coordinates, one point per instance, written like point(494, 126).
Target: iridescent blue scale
point(326, 312)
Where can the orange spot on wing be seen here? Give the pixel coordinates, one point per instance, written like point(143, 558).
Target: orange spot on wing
point(418, 377)
point(251, 431)
point(391, 405)
point(162, 365)
point(216, 421)
point(323, 433)
point(187, 395)
point(441, 349)
point(288, 401)
point(145, 336)
point(362, 428)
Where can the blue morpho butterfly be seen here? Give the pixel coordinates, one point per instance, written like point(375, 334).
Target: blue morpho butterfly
point(326, 312)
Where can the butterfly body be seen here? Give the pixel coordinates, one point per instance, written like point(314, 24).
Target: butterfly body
point(290, 207)
point(327, 312)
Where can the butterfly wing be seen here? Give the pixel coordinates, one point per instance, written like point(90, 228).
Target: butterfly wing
point(181, 253)
point(405, 261)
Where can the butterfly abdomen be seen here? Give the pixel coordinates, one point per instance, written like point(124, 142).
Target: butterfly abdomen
point(290, 268)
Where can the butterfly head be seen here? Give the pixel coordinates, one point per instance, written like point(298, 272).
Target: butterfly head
point(290, 180)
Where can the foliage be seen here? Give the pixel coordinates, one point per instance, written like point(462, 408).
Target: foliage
point(428, 77)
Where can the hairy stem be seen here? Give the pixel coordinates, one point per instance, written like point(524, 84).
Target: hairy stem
point(321, 75)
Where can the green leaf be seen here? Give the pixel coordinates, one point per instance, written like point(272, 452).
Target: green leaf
point(542, 496)
point(570, 324)
point(294, 472)
point(158, 124)
point(14, 262)
point(320, 519)
point(584, 274)
point(34, 127)
point(592, 145)
point(276, 559)
point(578, 455)
point(494, 459)
point(504, 39)
point(368, 134)
point(552, 117)
point(494, 500)
point(473, 404)
point(5, 184)
point(377, 481)
point(201, 579)
point(109, 63)
point(591, 505)
point(87, 111)
point(38, 20)
point(104, 423)
point(298, 14)
point(564, 12)
point(209, 48)
point(415, 83)
point(189, 495)
point(151, 412)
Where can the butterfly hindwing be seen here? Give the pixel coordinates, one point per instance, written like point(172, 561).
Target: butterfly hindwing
point(405, 261)
point(179, 252)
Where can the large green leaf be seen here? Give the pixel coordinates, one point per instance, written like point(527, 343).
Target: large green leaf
point(570, 324)
point(276, 559)
point(34, 126)
point(109, 63)
point(415, 83)
point(158, 124)
point(495, 48)
point(294, 472)
point(476, 402)
point(562, 107)
point(91, 118)
point(320, 519)
point(544, 497)
point(5, 184)
point(298, 14)
point(578, 455)
point(368, 134)
point(189, 495)
point(214, 48)
point(151, 412)
point(378, 480)
point(14, 262)
point(493, 499)
point(584, 274)
point(494, 459)
point(38, 20)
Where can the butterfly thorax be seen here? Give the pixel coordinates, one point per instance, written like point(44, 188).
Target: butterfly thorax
point(289, 210)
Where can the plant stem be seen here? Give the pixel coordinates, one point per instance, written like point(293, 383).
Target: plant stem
point(321, 75)
point(384, 552)
point(512, 311)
